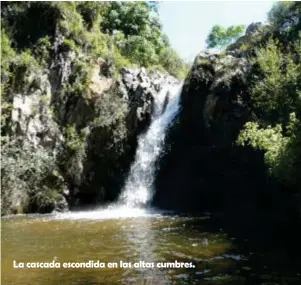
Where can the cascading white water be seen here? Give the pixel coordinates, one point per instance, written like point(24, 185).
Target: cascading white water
point(138, 190)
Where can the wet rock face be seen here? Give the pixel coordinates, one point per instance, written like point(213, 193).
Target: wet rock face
point(139, 88)
point(202, 168)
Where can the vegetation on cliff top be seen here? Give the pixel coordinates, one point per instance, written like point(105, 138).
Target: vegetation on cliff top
point(275, 95)
point(220, 37)
point(127, 33)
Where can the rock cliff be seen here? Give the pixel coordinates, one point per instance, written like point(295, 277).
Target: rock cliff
point(90, 132)
point(203, 169)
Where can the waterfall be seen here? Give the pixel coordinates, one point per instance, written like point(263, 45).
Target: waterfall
point(138, 190)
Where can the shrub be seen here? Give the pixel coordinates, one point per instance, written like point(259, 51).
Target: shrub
point(172, 62)
point(90, 11)
point(140, 51)
point(42, 49)
point(74, 142)
point(24, 172)
point(276, 91)
point(282, 153)
point(68, 45)
point(24, 69)
point(7, 56)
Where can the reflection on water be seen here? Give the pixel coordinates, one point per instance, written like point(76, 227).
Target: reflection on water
point(118, 234)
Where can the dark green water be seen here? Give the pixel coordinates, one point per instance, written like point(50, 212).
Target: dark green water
point(114, 236)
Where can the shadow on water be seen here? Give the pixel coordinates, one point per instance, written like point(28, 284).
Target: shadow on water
point(261, 256)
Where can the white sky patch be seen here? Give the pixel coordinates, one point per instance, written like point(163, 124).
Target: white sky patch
point(187, 23)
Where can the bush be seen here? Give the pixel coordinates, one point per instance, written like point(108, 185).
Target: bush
point(276, 90)
point(25, 171)
point(90, 11)
point(7, 56)
point(74, 142)
point(172, 62)
point(140, 51)
point(282, 153)
point(68, 45)
point(41, 50)
point(24, 69)
point(96, 42)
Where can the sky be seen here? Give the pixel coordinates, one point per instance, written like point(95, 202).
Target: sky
point(188, 23)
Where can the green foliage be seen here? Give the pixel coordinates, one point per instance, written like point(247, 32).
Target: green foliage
point(75, 142)
point(173, 63)
point(275, 89)
point(72, 23)
point(282, 153)
point(270, 140)
point(112, 110)
point(137, 33)
point(90, 12)
point(24, 172)
point(33, 36)
point(129, 17)
point(69, 45)
point(45, 200)
point(74, 152)
point(41, 50)
point(111, 119)
point(141, 51)
point(125, 32)
point(252, 40)
point(220, 37)
point(158, 67)
point(79, 80)
point(24, 69)
point(285, 18)
point(97, 43)
point(278, 93)
point(120, 61)
point(7, 56)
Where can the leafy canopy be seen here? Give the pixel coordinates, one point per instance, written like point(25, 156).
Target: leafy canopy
point(124, 32)
point(275, 95)
point(285, 18)
point(220, 37)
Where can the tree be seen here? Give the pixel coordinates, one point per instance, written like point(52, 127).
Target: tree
point(220, 37)
point(171, 61)
point(276, 91)
point(154, 5)
point(132, 18)
point(141, 51)
point(282, 153)
point(285, 17)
